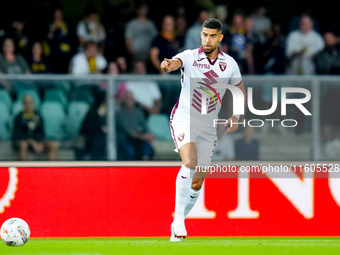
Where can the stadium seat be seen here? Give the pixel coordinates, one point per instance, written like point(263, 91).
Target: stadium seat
point(56, 95)
point(77, 111)
point(17, 86)
point(63, 85)
point(159, 125)
point(54, 120)
point(16, 108)
point(5, 133)
point(6, 99)
point(82, 94)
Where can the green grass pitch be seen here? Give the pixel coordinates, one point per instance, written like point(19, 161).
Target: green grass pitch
point(150, 246)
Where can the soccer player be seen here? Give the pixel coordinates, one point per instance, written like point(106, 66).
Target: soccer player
point(193, 115)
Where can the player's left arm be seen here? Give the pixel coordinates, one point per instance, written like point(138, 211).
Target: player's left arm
point(232, 122)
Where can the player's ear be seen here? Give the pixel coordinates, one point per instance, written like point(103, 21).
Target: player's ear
point(221, 37)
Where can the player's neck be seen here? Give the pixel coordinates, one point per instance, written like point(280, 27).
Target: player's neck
point(212, 55)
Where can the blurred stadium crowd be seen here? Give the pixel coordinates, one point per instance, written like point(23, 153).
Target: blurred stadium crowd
point(259, 43)
point(136, 44)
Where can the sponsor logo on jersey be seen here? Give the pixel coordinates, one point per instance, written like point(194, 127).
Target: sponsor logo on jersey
point(202, 66)
point(223, 66)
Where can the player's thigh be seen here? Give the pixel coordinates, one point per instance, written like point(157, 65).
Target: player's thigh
point(180, 134)
point(206, 143)
point(185, 141)
point(188, 153)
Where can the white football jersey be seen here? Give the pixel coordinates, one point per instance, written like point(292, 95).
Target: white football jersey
point(200, 99)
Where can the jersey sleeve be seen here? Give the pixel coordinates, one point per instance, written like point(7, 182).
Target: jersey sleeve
point(182, 57)
point(236, 77)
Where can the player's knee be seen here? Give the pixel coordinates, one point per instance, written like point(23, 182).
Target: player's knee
point(190, 164)
point(196, 185)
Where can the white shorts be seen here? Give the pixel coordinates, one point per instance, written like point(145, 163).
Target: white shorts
point(205, 139)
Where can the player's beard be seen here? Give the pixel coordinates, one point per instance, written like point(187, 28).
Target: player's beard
point(209, 51)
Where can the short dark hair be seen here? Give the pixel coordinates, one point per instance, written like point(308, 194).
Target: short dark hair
point(90, 9)
point(213, 23)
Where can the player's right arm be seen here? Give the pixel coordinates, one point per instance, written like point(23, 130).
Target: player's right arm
point(169, 65)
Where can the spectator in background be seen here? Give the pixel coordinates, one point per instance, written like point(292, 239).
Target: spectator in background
point(181, 30)
point(221, 15)
point(225, 148)
point(113, 68)
point(165, 45)
point(262, 24)
point(193, 38)
point(88, 62)
point(20, 38)
point(134, 140)
point(272, 59)
point(327, 61)
point(247, 148)
point(90, 29)
point(38, 63)
point(249, 28)
point(139, 34)
point(59, 41)
point(94, 130)
point(146, 93)
point(28, 132)
point(240, 46)
point(302, 45)
point(11, 63)
point(122, 65)
point(294, 22)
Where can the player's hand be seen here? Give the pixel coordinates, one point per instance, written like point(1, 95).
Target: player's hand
point(232, 122)
point(166, 65)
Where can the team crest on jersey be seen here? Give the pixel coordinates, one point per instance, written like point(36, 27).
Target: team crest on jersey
point(180, 137)
point(223, 66)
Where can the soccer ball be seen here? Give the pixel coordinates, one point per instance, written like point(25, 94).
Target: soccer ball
point(15, 232)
